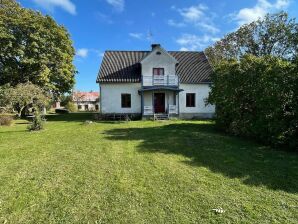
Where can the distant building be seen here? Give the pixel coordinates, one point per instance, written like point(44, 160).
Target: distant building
point(56, 105)
point(86, 101)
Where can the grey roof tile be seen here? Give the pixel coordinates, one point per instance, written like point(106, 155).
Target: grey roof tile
point(125, 67)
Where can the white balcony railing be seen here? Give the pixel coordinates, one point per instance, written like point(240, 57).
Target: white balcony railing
point(148, 110)
point(160, 80)
point(172, 109)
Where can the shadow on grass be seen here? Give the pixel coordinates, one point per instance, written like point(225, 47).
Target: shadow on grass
point(78, 117)
point(204, 147)
point(71, 117)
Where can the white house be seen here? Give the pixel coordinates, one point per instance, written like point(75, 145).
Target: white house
point(154, 83)
point(86, 101)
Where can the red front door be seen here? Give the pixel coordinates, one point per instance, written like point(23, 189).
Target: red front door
point(159, 103)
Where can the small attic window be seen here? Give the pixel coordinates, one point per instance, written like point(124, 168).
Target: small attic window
point(158, 53)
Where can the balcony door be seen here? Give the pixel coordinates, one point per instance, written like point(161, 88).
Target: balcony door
point(159, 103)
point(158, 71)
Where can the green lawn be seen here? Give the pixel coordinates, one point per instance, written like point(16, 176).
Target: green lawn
point(141, 172)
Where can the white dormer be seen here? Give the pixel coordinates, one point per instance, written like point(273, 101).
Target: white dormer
point(159, 68)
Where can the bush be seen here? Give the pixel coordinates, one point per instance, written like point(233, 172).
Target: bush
point(6, 120)
point(71, 107)
point(37, 123)
point(257, 97)
point(61, 111)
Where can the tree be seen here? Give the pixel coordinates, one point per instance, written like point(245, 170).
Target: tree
point(65, 99)
point(33, 48)
point(71, 107)
point(257, 97)
point(3, 99)
point(275, 35)
point(26, 95)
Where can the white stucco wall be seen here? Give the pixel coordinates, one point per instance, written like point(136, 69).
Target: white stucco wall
point(111, 97)
point(163, 60)
point(148, 101)
point(202, 92)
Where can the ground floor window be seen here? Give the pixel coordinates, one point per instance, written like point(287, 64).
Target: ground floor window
point(86, 107)
point(80, 107)
point(190, 99)
point(96, 107)
point(174, 98)
point(125, 100)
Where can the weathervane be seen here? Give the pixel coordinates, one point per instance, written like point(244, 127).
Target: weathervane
point(150, 36)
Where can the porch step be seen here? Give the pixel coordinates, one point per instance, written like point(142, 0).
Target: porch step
point(161, 117)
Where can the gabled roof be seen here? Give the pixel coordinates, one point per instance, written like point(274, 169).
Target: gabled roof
point(85, 96)
point(158, 49)
point(124, 66)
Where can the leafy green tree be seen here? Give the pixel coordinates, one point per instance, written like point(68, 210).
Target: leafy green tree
point(65, 99)
point(26, 95)
point(257, 97)
point(37, 123)
point(34, 48)
point(274, 35)
point(4, 101)
point(71, 107)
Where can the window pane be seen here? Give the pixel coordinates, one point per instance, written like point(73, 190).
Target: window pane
point(125, 100)
point(190, 100)
point(161, 71)
point(158, 71)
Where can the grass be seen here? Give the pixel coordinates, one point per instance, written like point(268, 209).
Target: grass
point(141, 172)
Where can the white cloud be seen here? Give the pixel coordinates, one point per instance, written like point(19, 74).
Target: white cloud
point(196, 15)
point(101, 17)
point(184, 49)
point(117, 4)
point(67, 5)
point(193, 42)
point(247, 15)
point(175, 24)
point(193, 13)
point(136, 35)
point(82, 52)
point(281, 4)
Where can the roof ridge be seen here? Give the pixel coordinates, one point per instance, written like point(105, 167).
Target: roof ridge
point(187, 51)
point(125, 51)
point(150, 51)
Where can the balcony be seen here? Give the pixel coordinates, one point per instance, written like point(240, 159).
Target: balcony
point(171, 109)
point(160, 80)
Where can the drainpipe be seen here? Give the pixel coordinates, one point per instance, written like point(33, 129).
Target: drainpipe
point(178, 103)
point(100, 102)
point(142, 103)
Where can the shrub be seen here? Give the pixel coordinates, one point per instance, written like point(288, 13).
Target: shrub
point(61, 111)
point(257, 97)
point(37, 123)
point(71, 107)
point(6, 120)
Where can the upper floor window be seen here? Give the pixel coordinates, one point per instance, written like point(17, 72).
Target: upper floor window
point(158, 71)
point(190, 99)
point(125, 100)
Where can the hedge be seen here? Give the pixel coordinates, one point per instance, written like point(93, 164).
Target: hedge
point(257, 97)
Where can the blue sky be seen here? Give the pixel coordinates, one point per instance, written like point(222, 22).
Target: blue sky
point(99, 25)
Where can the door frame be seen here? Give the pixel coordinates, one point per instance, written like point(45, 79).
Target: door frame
point(163, 94)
